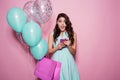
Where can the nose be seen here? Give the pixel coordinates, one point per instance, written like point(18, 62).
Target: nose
point(63, 23)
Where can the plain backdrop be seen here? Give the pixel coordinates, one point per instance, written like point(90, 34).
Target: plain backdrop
point(97, 24)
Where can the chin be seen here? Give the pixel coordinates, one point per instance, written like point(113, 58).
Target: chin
point(62, 30)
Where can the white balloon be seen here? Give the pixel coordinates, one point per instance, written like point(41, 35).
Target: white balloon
point(43, 10)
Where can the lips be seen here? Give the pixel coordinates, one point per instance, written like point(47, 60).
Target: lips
point(62, 27)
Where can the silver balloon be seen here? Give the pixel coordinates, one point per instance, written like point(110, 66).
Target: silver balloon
point(21, 40)
point(43, 10)
point(28, 8)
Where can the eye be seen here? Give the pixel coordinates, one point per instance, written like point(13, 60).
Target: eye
point(59, 21)
point(64, 20)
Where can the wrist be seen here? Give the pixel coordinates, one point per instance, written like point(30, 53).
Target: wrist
point(56, 48)
point(68, 46)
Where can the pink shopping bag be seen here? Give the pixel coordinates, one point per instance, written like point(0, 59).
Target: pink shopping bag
point(57, 71)
point(47, 69)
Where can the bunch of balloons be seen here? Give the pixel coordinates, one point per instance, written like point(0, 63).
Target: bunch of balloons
point(24, 21)
point(39, 10)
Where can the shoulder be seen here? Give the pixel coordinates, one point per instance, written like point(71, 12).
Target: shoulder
point(51, 34)
point(75, 35)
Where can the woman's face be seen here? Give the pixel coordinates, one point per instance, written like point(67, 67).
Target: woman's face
point(61, 24)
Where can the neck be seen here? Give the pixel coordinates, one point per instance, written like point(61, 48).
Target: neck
point(62, 33)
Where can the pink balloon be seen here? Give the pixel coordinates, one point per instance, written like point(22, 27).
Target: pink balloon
point(43, 10)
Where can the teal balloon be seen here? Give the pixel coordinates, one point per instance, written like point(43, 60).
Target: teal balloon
point(32, 33)
point(40, 50)
point(16, 18)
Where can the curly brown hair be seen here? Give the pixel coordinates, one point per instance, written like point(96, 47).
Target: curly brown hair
point(69, 28)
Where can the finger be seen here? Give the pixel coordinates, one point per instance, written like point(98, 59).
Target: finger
point(64, 41)
point(67, 40)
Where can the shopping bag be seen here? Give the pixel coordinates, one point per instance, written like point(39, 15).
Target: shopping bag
point(57, 71)
point(47, 69)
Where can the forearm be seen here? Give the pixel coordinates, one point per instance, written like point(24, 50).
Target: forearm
point(73, 51)
point(52, 50)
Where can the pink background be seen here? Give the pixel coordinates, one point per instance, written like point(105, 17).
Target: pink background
point(97, 25)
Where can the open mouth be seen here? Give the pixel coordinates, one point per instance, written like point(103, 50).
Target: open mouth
point(62, 27)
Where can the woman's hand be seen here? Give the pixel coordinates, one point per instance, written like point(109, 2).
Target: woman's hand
point(60, 45)
point(67, 42)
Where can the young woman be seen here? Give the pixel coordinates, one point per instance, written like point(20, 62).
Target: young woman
point(62, 44)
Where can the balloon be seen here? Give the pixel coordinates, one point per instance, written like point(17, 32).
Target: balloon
point(16, 18)
point(28, 8)
point(43, 10)
point(40, 50)
point(32, 33)
point(20, 38)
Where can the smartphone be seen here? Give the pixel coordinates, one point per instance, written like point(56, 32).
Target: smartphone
point(62, 40)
